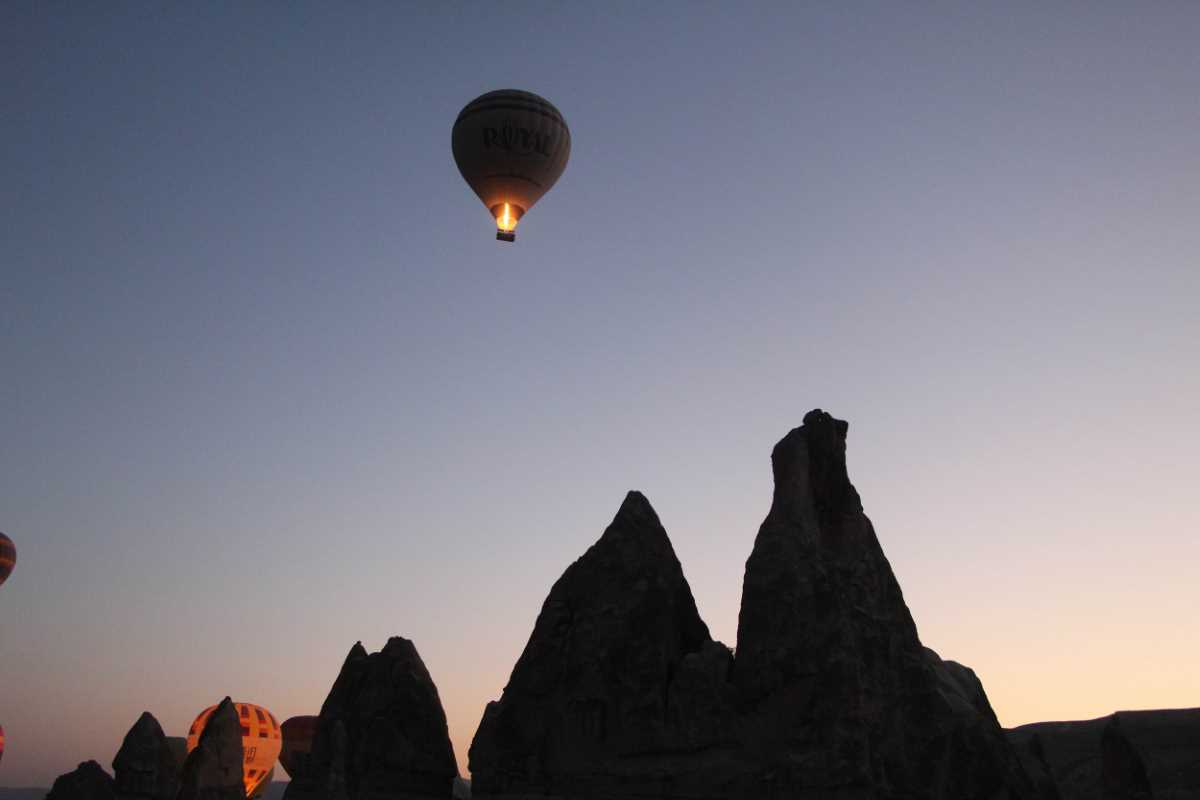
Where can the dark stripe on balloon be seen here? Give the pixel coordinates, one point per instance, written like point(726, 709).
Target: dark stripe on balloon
point(469, 111)
point(526, 98)
point(507, 175)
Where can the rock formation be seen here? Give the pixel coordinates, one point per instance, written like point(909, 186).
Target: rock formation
point(621, 693)
point(1037, 767)
point(146, 767)
point(178, 747)
point(1122, 773)
point(837, 690)
point(382, 732)
point(88, 781)
point(1166, 741)
point(213, 771)
point(620, 686)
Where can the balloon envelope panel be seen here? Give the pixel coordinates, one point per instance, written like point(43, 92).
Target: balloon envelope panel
point(261, 742)
point(511, 147)
point(298, 734)
point(8, 557)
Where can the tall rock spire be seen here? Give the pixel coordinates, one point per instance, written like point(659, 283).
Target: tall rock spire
point(382, 732)
point(621, 693)
point(838, 694)
point(213, 770)
point(615, 689)
point(146, 767)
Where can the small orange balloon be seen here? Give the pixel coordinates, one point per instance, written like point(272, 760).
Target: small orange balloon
point(8, 557)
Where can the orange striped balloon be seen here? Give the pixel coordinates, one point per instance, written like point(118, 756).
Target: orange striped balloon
point(261, 742)
point(8, 557)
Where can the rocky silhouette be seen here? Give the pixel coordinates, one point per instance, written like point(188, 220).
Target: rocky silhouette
point(381, 733)
point(620, 690)
point(213, 771)
point(1122, 773)
point(621, 693)
point(178, 747)
point(88, 781)
point(1166, 742)
point(838, 693)
point(1037, 766)
point(146, 767)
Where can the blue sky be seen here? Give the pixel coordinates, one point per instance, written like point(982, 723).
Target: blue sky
point(270, 386)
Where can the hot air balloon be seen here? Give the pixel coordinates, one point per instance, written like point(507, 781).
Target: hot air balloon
point(1, 742)
point(8, 557)
point(298, 733)
point(510, 146)
point(261, 741)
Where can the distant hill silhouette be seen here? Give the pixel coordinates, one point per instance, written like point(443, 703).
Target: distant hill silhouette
point(1167, 740)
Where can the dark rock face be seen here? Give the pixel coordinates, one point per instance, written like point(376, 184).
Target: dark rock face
point(1166, 742)
point(146, 767)
point(88, 781)
point(382, 732)
point(1122, 772)
point(834, 680)
point(621, 693)
point(960, 687)
point(1037, 767)
point(213, 771)
point(620, 686)
point(178, 747)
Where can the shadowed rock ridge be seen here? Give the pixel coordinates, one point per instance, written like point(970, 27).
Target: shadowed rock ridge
point(621, 693)
point(88, 781)
point(146, 766)
point(381, 733)
point(1122, 772)
point(1166, 742)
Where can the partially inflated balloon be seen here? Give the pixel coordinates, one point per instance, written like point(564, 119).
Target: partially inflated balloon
point(511, 147)
point(298, 733)
point(8, 557)
point(261, 741)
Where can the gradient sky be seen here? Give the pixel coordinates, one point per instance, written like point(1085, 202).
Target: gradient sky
point(268, 384)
